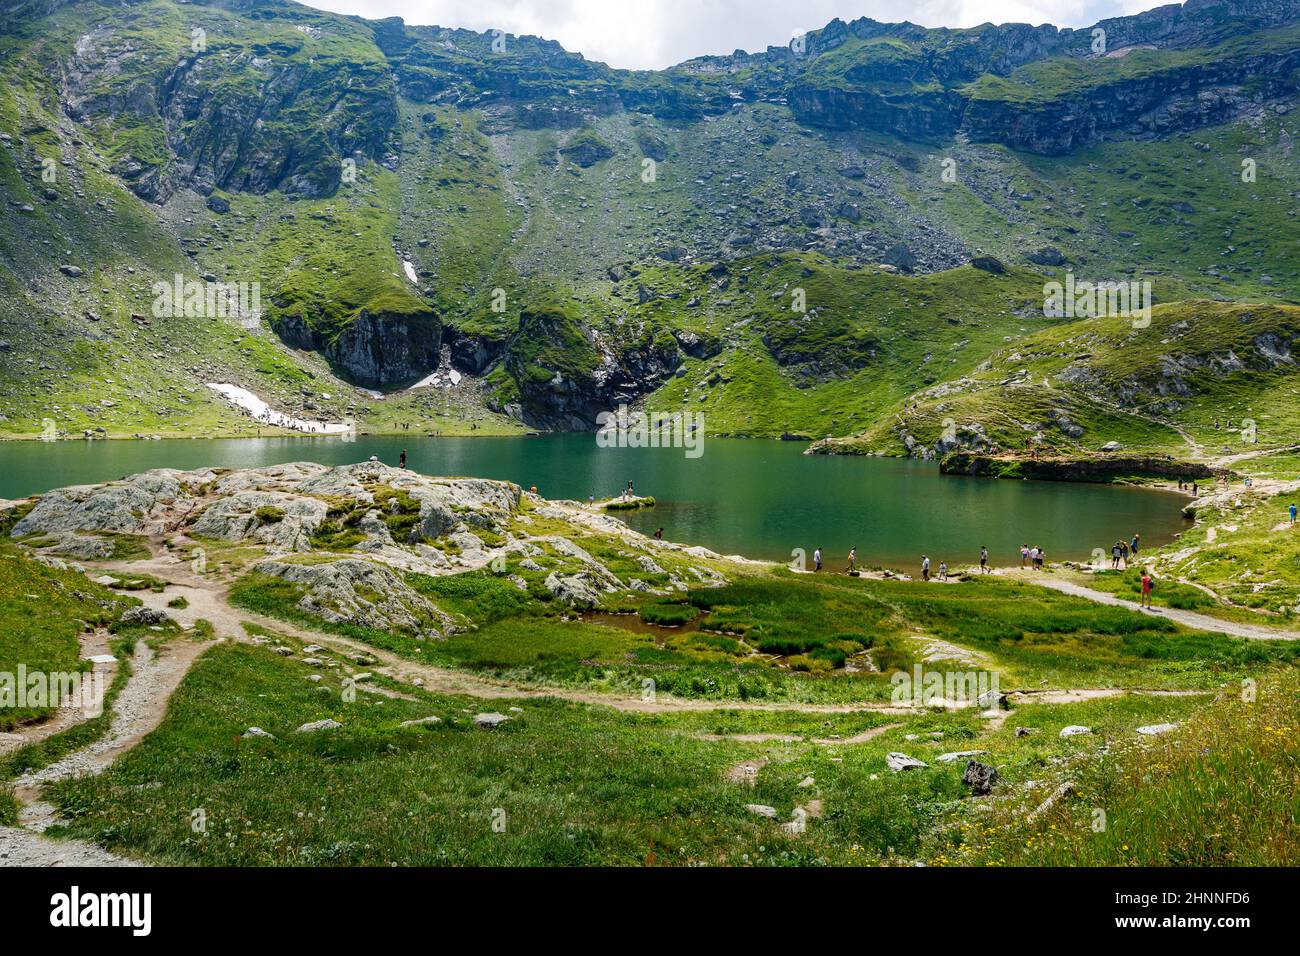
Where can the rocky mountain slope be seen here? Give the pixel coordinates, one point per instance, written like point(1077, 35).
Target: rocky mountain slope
point(795, 240)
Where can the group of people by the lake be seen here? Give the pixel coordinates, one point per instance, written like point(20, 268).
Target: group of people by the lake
point(1032, 557)
point(925, 569)
point(1121, 551)
point(851, 567)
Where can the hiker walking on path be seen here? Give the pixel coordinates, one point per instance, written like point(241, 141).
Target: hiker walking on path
point(817, 559)
point(1116, 550)
point(1024, 555)
point(1147, 585)
point(1292, 512)
point(853, 560)
point(925, 568)
point(984, 559)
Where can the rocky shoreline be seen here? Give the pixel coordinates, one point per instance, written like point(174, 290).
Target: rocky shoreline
point(346, 536)
point(1094, 468)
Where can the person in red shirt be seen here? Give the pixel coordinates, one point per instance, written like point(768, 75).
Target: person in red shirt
point(1146, 589)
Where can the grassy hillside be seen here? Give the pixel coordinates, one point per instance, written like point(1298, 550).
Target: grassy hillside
point(1204, 378)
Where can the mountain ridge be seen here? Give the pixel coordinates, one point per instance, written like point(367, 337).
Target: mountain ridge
point(411, 200)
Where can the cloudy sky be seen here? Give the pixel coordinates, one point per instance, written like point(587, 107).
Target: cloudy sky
point(650, 34)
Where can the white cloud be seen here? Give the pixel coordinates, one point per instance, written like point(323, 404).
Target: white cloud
point(652, 34)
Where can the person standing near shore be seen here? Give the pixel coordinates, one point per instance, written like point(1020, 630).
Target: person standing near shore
point(817, 559)
point(1116, 550)
point(943, 570)
point(853, 560)
point(984, 559)
point(1147, 585)
point(1024, 555)
point(1133, 545)
point(925, 567)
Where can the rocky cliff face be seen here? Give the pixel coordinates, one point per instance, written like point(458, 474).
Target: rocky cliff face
point(375, 349)
point(277, 101)
point(1091, 469)
point(206, 101)
point(562, 376)
point(1177, 100)
point(921, 115)
point(1005, 84)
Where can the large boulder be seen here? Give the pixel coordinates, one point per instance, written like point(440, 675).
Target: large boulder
point(87, 547)
point(353, 591)
point(144, 616)
point(291, 475)
point(592, 570)
point(445, 504)
point(1047, 256)
point(980, 777)
point(960, 755)
point(899, 761)
point(318, 725)
point(578, 590)
point(135, 505)
point(900, 257)
point(285, 522)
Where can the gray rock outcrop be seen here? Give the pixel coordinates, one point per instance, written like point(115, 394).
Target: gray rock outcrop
point(355, 591)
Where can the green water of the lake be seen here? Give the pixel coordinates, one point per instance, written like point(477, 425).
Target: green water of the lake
point(758, 498)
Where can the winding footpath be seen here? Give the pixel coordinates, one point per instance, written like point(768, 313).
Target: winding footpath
point(1200, 622)
point(143, 702)
point(137, 711)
